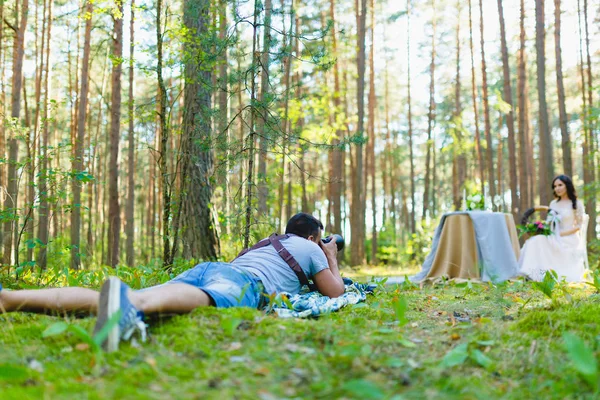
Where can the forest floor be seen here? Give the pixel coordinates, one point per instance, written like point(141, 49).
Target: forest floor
point(451, 340)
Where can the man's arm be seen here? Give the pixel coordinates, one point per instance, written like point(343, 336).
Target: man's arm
point(329, 281)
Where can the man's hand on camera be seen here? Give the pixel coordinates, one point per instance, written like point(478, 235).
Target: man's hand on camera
point(330, 249)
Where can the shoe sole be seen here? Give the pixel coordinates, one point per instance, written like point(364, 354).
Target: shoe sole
point(109, 304)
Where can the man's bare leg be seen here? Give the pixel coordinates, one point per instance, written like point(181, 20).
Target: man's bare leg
point(176, 298)
point(173, 298)
point(67, 299)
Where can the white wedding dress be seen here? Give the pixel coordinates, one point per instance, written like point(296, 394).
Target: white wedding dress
point(566, 255)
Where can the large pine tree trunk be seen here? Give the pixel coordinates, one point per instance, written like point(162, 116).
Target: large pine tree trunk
point(10, 202)
point(200, 236)
point(562, 110)
point(130, 207)
point(486, 114)
point(357, 218)
point(546, 171)
point(78, 159)
point(510, 121)
point(114, 212)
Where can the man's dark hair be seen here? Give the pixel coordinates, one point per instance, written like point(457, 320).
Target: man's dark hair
point(304, 225)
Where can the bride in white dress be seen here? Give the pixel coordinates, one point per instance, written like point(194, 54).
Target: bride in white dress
point(564, 250)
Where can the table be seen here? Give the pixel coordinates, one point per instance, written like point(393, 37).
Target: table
point(473, 245)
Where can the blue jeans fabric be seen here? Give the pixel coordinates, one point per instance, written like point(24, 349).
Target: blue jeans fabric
point(226, 284)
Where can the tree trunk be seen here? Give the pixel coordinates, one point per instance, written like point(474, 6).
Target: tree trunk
point(224, 133)
point(525, 162)
point(510, 121)
point(252, 135)
point(591, 196)
point(430, 118)
point(562, 111)
point(114, 213)
point(413, 224)
point(264, 135)
point(78, 159)
point(200, 235)
point(459, 159)
point(486, 114)
point(478, 147)
point(10, 203)
point(358, 217)
point(44, 210)
point(546, 171)
point(130, 208)
point(371, 133)
point(337, 173)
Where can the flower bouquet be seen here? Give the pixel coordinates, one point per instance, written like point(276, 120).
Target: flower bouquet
point(535, 228)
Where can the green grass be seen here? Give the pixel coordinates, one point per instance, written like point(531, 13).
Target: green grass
point(359, 352)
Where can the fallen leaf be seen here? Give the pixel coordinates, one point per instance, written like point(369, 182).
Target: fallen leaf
point(455, 336)
point(82, 347)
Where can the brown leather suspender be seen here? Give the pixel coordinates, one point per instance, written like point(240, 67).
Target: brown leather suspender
point(275, 241)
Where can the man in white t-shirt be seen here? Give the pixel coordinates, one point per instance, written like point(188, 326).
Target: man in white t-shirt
point(246, 281)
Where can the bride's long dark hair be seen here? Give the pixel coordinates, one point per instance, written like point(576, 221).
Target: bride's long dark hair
point(570, 189)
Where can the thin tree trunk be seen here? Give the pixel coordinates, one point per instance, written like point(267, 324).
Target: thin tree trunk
point(44, 210)
point(130, 208)
point(562, 111)
point(546, 171)
point(478, 147)
point(358, 216)
point(510, 121)
point(413, 225)
point(525, 162)
point(10, 203)
point(252, 134)
point(371, 133)
point(78, 159)
point(114, 213)
point(224, 133)
point(459, 159)
point(486, 114)
point(263, 190)
point(337, 173)
point(286, 123)
point(591, 199)
point(430, 118)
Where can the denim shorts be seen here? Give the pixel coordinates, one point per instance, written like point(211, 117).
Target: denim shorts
point(226, 284)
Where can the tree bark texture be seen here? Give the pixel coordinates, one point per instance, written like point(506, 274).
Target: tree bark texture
point(546, 172)
point(200, 236)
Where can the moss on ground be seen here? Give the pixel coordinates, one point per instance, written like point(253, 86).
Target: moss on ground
point(359, 352)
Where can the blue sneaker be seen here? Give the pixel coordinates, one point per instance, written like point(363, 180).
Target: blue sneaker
point(113, 297)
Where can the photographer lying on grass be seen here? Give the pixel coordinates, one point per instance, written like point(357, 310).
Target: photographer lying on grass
point(276, 264)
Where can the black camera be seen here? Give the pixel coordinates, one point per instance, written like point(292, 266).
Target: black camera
point(339, 240)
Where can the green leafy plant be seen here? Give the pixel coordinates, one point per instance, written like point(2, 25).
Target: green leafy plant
point(582, 358)
point(465, 351)
point(546, 286)
point(94, 341)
